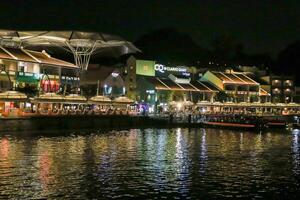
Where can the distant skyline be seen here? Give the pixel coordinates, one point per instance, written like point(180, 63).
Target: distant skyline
point(266, 26)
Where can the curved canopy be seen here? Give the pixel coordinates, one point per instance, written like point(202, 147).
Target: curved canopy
point(74, 98)
point(12, 96)
point(81, 44)
point(49, 98)
point(99, 99)
point(123, 100)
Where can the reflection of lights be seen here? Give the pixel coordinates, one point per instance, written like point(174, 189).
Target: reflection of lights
point(178, 143)
point(45, 164)
point(295, 149)
point(203, 153)
point(4, 148)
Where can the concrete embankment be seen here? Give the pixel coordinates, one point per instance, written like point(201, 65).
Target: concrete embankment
point(79, 122)
point(119, 122)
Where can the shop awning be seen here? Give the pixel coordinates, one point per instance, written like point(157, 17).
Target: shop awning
point(204, 86)
point(193, 86)
point(170, 84)
point(157, 83)
point(235, 78)
point(263, 92)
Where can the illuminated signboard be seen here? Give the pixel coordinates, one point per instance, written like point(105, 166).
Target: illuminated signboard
point(162, 70)
point(145, 67)
point(150, 91)
point(114, 74)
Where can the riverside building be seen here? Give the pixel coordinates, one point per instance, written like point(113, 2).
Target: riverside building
point(237, 87)
point(31, 72)
point(27, 70)
point(158, 85)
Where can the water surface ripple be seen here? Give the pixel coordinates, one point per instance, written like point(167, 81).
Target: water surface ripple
point(151, 164)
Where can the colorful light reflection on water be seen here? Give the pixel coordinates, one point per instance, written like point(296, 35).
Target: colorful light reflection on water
point(151, 163)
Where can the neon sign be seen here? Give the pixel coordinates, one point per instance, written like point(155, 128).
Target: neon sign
point(162, 68)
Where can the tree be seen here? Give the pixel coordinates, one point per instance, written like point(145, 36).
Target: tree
point(288, 61)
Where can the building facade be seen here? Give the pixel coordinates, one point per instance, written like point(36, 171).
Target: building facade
point(32, 72)
point(282, 88)
point(157, 84)
point(237, 87)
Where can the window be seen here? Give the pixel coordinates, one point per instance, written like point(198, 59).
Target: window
point(276, 91)
point(288, 83)
point(276, 82)
point(2, 67)
point(21, 68)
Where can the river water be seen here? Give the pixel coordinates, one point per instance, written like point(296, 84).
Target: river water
point(150, 164)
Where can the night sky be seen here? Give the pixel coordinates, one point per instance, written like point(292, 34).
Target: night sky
point(261, 25)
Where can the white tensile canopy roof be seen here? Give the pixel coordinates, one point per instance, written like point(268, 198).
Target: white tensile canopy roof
point(81, 44)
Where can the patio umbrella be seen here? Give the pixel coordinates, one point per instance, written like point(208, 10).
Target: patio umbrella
point(48, 98)
point(123, 100)
point(99, 99)
point(12, 96)
point(74, 99)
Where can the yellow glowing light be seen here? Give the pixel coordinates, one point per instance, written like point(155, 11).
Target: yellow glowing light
point(179, 105)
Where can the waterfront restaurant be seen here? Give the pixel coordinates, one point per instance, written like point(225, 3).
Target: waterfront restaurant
point(32, 71)
point(237, 86)
point(158, 85)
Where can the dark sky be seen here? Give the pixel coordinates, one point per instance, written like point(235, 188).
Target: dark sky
point(262, 25)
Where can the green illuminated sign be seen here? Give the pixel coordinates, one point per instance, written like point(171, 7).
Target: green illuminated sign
point(27, 77)
point(145, 67)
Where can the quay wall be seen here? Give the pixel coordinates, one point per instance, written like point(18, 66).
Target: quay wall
point(96, 122)
point(79, 122)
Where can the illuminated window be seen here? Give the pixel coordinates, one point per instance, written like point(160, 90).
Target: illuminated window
point(288, 83)
point(276, 91)
point(276, 82)
point(287, 91)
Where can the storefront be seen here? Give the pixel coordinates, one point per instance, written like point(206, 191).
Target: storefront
point(31, 71)
point(12, 104)
point(158, 85)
